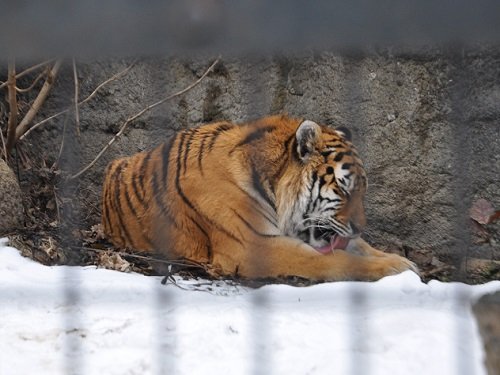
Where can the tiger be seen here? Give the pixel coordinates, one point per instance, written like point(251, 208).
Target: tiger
point(271, 198)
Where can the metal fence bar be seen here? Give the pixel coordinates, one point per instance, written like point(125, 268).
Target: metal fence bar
point(70, 157)
point(165, 338)
point(261, 335)
point(462, 192)
point(359, 327)
point(94, 28)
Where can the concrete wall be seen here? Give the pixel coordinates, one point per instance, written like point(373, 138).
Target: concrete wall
point(427, 126)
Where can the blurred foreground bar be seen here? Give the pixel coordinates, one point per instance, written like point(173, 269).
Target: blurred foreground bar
point(90, 28)
point(487, 311)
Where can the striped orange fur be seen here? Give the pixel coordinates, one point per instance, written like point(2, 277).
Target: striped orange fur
point(262, 199)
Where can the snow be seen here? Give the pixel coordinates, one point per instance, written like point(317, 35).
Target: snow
point(83, 320)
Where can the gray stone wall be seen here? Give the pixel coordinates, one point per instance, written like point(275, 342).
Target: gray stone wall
point(427, 126)
point(11, 207)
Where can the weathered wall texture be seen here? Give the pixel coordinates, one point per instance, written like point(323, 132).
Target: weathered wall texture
point(427, 126)
point(11, 208)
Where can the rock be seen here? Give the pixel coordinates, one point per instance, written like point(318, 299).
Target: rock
point(11, 207)
point(487, 311)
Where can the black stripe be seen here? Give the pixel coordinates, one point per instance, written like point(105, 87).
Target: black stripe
point(160, 184)
point(136, 192)
point(186, 200)
point(313, 182)
point(135, 176)
point(178, 173)
point(250, 226)
point(123, 229)
point(341, 154)
point(142, 171)
point(257, 185)
point(336, 145)
point(255, 135)
point(257, 206)
point(295, 150)
point(105, 200)
point(347, 165)
point(112, 203)
point(322, 182)
point(218, 130)
point(330, 200)
point(136, 216)
point(188, 147)
point(129, 202)
point(209, 244)
point(201, 151)
point(338, 228)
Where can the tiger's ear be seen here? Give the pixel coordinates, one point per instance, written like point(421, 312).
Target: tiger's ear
point(344, 132)
point(308, 135)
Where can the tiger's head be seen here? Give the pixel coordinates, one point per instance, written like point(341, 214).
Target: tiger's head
point(328, 183)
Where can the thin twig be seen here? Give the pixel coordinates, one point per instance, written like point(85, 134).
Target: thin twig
point(34, 67)
point(77, 115)
point(177, 262)
point(38, 78)
point(92, 94)
point(134, 117)
point(12, 122)
point(4, 149)
point(58, 210)
point(56, 163)
point(27, 71)
point(40, 99)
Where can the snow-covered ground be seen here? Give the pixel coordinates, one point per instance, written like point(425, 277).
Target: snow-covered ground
point(74, 320)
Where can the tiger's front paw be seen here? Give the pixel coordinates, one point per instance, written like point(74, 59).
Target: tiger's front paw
point(394, 264)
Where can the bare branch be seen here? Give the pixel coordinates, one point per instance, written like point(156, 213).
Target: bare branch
point(137, 115)
point(34, 67)
point(77, 114)
point(56, 163)
point(175, 262)
point(111, 79)
point(27, 71)
point(38, 78)
point(96, 90)
point(12, 122)
point(4, 149)
point(40, 99)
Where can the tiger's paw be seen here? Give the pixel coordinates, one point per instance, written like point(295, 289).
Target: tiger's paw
point(394, 264)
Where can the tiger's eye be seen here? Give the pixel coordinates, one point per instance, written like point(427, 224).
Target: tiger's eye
point(329, 170)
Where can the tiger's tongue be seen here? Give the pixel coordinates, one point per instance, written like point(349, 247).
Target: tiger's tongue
point(337, 242)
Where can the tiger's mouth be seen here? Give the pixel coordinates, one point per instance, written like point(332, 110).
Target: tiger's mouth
point(324, 239)
point(336, 242)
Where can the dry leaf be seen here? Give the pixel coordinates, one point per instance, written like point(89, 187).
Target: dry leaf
point(51, 205)
point(98, 231)
point(481, 211)
point(114, 262)
point(495, 216)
